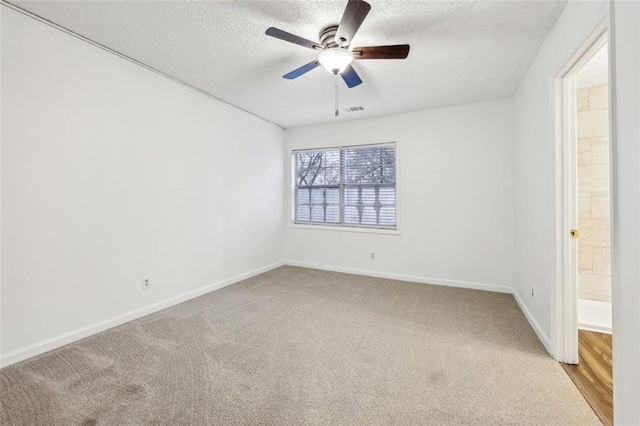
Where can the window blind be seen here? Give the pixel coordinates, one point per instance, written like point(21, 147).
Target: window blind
point(317, 196)
point(351, 186)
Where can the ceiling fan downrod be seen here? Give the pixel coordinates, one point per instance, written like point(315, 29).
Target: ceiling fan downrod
point(336, 91)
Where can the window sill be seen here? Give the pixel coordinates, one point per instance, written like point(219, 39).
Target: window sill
point(345, 228)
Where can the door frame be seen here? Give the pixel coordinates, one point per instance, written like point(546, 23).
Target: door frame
point(566, 300)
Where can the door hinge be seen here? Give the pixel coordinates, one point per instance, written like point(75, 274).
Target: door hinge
point(574, 233)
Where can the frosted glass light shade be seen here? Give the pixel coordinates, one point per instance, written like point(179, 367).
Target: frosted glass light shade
point(335, 60)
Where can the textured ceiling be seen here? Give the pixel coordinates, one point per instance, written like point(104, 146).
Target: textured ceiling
point(461, 51)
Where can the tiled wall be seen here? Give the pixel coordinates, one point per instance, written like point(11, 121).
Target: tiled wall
point(594, 245)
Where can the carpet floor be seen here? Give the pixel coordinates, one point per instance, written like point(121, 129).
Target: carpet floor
point(299, 346)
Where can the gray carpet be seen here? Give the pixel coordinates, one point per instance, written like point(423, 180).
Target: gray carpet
point(304, 347)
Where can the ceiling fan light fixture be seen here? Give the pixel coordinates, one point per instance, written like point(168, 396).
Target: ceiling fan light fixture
point(335, 59)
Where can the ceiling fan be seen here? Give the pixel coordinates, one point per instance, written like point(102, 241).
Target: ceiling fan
point(335, 55)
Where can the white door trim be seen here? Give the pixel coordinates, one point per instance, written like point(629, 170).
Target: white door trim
point(565, 338)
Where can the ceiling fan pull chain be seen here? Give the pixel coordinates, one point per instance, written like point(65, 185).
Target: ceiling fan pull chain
point(336, 88)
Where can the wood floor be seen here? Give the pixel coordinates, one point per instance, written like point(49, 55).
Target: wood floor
point(592, 375)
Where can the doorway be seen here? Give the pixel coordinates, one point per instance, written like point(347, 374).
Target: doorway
point(585, 324)
point(593, 194)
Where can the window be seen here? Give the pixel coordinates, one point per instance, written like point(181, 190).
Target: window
point(349, 186)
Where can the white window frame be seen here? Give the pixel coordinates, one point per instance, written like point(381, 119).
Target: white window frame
point(376, 229)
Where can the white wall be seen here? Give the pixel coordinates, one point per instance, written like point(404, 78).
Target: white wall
point(625, 49)
point(111, 172)
point(534, 161)
point(455, 198)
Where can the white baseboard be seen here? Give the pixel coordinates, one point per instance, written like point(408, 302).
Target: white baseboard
point(594, 315)
point(411, 278)
point(70, 337)
point(544, 339)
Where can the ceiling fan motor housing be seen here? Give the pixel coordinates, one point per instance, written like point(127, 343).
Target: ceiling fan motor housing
point(327, 37)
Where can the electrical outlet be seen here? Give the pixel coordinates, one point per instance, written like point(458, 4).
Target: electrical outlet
point(373, 255)
point(146, 284)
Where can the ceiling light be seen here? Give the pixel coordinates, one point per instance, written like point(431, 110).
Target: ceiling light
point(335, 60)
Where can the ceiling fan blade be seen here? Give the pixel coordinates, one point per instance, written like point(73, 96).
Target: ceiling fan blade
point(303, 69)
point(351, 20)
point(292, 38)
point(351, 77)
point(399, 51)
